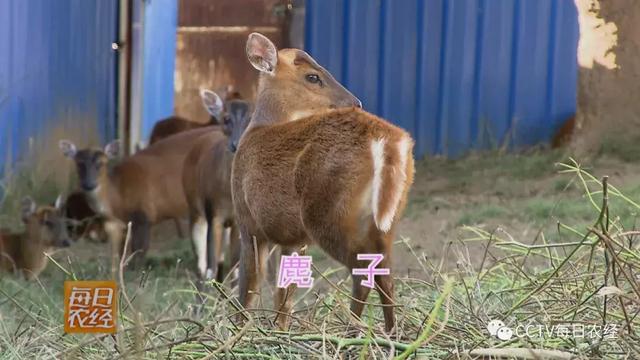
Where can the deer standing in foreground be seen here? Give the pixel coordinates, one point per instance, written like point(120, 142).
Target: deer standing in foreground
point(45, 230)
point(143, 189)
point(207, 185)
point(312, 167)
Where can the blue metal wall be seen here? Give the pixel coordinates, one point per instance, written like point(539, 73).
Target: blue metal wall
point(458, 74)
point(56, 64)
point(160, 23)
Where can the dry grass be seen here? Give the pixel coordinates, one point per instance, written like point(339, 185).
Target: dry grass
point(587, 277)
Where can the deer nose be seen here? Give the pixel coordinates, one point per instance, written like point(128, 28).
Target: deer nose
point(358, 104)
point(233, 147)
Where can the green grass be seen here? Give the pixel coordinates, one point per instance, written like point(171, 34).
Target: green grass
point(534, 164)
point(482, 213)
point(440, 316)
point(623, 146)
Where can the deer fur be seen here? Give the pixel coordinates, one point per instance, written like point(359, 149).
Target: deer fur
point(313, 168)
point(206, 182)
point(83, 221)
point(143, 189)
point(45, 230)
point(177, 124)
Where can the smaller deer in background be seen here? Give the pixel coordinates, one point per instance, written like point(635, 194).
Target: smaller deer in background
point(45, 230)
point(176, 124)
point(143, 189)
point(314, 168)
point(206, 181)
point(83, 221)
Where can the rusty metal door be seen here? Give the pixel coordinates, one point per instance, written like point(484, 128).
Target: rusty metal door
point(210, 46)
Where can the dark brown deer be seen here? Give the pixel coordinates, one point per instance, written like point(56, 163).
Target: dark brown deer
point(45, 230)
point(313, 168)
point(83, 222)
point(176, 124)
point(206, 182)
point(143, 189)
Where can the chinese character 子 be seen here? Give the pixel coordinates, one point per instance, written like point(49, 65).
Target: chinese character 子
point(90, 306)
point(371, 270)
point(295, 269)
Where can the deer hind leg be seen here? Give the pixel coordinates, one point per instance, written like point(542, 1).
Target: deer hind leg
point(140, 236)
point(253, 257)
point(359, 293)
point(384, 286)
point(179, 229)
point(284, 296)
point(384, 283)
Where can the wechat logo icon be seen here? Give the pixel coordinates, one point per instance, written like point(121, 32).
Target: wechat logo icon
point(498, 329)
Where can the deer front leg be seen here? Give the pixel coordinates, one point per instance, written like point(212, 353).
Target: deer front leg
point(199, 242)
point(252, 267)
point(114, 230)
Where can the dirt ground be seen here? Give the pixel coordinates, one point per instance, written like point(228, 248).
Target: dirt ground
point(525, 195)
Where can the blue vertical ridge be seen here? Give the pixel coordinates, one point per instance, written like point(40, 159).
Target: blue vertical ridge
point(476, 76)
point(443, 42)
point(513, 75)
point(344, 76)
point(308, 20)
point(550, 64)
point(419, 148)
point(381, 64)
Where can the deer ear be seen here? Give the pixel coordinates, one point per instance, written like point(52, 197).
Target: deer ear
point(262, 54)
point(112, 149)
point(59, 202)
point(28, 207)
point(212, 102)
point(68, 148)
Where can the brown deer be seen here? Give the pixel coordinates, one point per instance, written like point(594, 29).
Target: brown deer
point(313, 168)
point(206, 182)
point(45, 230)
point(176, 124)
point(83, 222)
point(143, 189)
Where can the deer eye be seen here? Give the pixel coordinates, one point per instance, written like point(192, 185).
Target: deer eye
point(313, 78)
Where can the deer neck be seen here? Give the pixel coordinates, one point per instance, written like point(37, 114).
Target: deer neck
point(11, 250)
point(102, 199)
point(269, 110)
point(31, 249)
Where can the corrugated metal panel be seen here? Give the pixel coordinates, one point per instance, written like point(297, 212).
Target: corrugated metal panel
point(57, 70)
point(211, 48)
point(160, 22)
point(458, 74)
